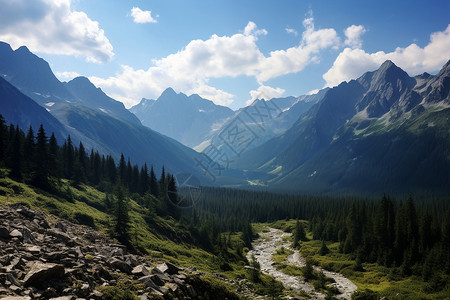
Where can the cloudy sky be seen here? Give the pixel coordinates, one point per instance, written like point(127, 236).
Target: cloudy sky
point(227, 51)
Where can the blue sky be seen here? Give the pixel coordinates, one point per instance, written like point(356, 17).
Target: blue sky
point(227, 51)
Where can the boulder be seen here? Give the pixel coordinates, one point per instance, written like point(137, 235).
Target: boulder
point(168, 268)
point(140, 270)
point(15, 233)
point(121, 265)
point(41, 272)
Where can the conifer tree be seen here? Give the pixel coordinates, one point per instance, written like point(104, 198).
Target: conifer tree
point(122, 218)
point(41, 163)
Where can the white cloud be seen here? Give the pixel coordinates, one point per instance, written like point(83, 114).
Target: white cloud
point(295, 59)
point(50, 26)
point(252, 29)
point(265, 92)
point(291, 31)
point(66, 76)
point(352, 63)
point(353, 34)
point(142, 16)
point(190, 69)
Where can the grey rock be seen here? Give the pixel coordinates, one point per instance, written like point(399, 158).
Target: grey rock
point(121, 265)
point(41, 272)
point(168, 268)
point(15, 233)
point(148, 282)
point(140, 270)
point(17, 298)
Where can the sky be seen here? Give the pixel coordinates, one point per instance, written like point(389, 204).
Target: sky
point(228, 51)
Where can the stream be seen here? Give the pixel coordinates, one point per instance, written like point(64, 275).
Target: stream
point(269, 242)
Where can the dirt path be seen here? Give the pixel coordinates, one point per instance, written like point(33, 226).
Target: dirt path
point(264, 247)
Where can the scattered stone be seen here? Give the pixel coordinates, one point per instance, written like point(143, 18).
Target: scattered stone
point(121, 265)
point(140, 270)
point(15, 234)
point(41, 272)
point(168, 268)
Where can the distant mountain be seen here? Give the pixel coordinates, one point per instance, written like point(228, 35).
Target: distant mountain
point(258, 123)
point(385, 132)
point(86, 113)
point(188, 119)
point(91, 96)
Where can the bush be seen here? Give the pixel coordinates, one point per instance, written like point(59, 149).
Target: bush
point(365, 295)
point(84, 219)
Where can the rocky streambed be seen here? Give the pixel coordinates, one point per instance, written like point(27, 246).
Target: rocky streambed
point(269, 242)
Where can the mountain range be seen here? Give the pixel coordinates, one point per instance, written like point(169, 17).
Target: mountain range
point(385, 132)
point(186, 119)
point(31, 94)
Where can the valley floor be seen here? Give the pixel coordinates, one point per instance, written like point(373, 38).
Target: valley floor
point(273, 239)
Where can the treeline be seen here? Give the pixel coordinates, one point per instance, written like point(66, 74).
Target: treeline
point(37, 159)
point(393, 234)
point(413, 236)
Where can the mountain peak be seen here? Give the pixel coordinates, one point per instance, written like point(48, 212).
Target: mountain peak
point(169, 92)
point(23, 49)
point(5, 48)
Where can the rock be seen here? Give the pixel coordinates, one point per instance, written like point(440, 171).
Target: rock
point(168, 268)
point(148, 282)
point(191, 291)
point(34, 249)
point(121, 265)
point(28, 238)
point(17, 298)
point(15, 234)
point(41, 272)
point(64, 298)
point(160, 274)
point(140, 270)
point(4, 232)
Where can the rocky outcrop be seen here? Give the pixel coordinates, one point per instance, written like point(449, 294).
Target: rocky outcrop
point(42, 257)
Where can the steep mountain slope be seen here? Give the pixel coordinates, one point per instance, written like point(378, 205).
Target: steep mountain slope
point(93, 97)
point(31, 75)
point(385, 131)
point(90, 116)
point(188, 119)
point(18, 109)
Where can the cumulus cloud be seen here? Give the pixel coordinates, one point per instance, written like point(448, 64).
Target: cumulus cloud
point(66, 76)
point(265, 92)
point(295, 59)
point(51, 26)
point(353, 35)
point(142, 16)
point(291, 31)
point(352, 63)
point(190, 69)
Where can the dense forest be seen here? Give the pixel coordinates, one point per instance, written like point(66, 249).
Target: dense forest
point(411, 236)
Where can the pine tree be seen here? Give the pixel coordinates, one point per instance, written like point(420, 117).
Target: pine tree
point(16, 155)
point(3, 140)
point(53, 162)
point(299, 234)
point(154, 190)
point(122, 218)
point(41, 163)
